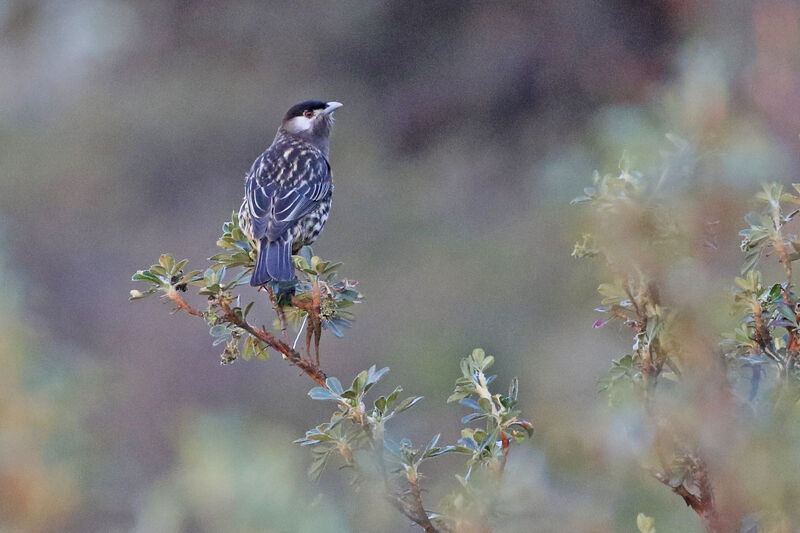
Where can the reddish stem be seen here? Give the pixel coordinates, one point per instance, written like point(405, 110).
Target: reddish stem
point(311, 370)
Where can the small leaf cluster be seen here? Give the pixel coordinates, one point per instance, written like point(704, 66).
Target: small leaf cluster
point(336, 296)
point(630, 227)
point(357, 428)
point(586, 247)
point(502, 419)
point(239, 250)
point(238, 342)
point(767, 341)
point(213, 283)
point(408, 457)
point(167, 275)
point(626, 201)
point(684, 473)
point(220, 287)
point(352, 426)
point(620, 382)
point(631, 303)
point(609, 190)
point(765, 232)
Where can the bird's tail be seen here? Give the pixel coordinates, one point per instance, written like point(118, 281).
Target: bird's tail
point(274, 262)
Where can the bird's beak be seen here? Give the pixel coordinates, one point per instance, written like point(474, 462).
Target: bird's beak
point(330, 107)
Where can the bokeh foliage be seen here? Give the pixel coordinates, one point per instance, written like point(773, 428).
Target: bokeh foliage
point(674, 374)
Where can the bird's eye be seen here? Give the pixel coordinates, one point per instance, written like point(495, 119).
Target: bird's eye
point(308, 113)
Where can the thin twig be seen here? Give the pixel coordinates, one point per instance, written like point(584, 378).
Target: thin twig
point(178, 300)
point(421, 516)
point(278, 311)
point(314, 322)
point(702, 504)
point(398, 502)
point(312, 370)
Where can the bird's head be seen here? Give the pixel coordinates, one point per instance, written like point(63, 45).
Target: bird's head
point(311, 120)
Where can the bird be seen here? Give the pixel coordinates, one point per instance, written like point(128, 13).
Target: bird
point(288, 190)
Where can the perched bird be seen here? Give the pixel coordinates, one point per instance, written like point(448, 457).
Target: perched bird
point(288, 190)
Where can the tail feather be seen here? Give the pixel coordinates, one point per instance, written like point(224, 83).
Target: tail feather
point(279, 260)
point(260, 273)
point(274, 262)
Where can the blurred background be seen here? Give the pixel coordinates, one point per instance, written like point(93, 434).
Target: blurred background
point(126, 129)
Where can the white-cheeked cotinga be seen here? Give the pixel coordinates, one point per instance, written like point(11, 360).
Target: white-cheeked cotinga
point(288, 190)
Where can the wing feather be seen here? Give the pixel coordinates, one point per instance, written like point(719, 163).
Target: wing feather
point(280, 192)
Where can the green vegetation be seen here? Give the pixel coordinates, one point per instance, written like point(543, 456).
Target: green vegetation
point(695, 389)
point(356, 434)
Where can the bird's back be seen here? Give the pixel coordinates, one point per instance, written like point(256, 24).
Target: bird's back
point(288, 195)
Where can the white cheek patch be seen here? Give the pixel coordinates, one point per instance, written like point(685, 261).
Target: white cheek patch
point(298, 124)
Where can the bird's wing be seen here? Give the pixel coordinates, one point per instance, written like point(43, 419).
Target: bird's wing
point(281, 193)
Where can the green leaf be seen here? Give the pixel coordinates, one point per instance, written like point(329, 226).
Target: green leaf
point(335, 385)
point(193, 276)
point(331, 267)
point(469, 402)
point(457, 396)
point(774, 292)
point(433, 441)
point(473, 416)
point(261, 349)
point(751, 261)
point(159, 270)
point(167, 261)
point(513, 389)
point(580, 200)
point(380, 404)
point(485, 404)
point(433, 452)
point(317, 467)
point(408, 403)
point(359, 381)
point(786, 312)
point(321, 393)
point(219, 330)
point(374, 376)
point(393, 396)
point(147, 276)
